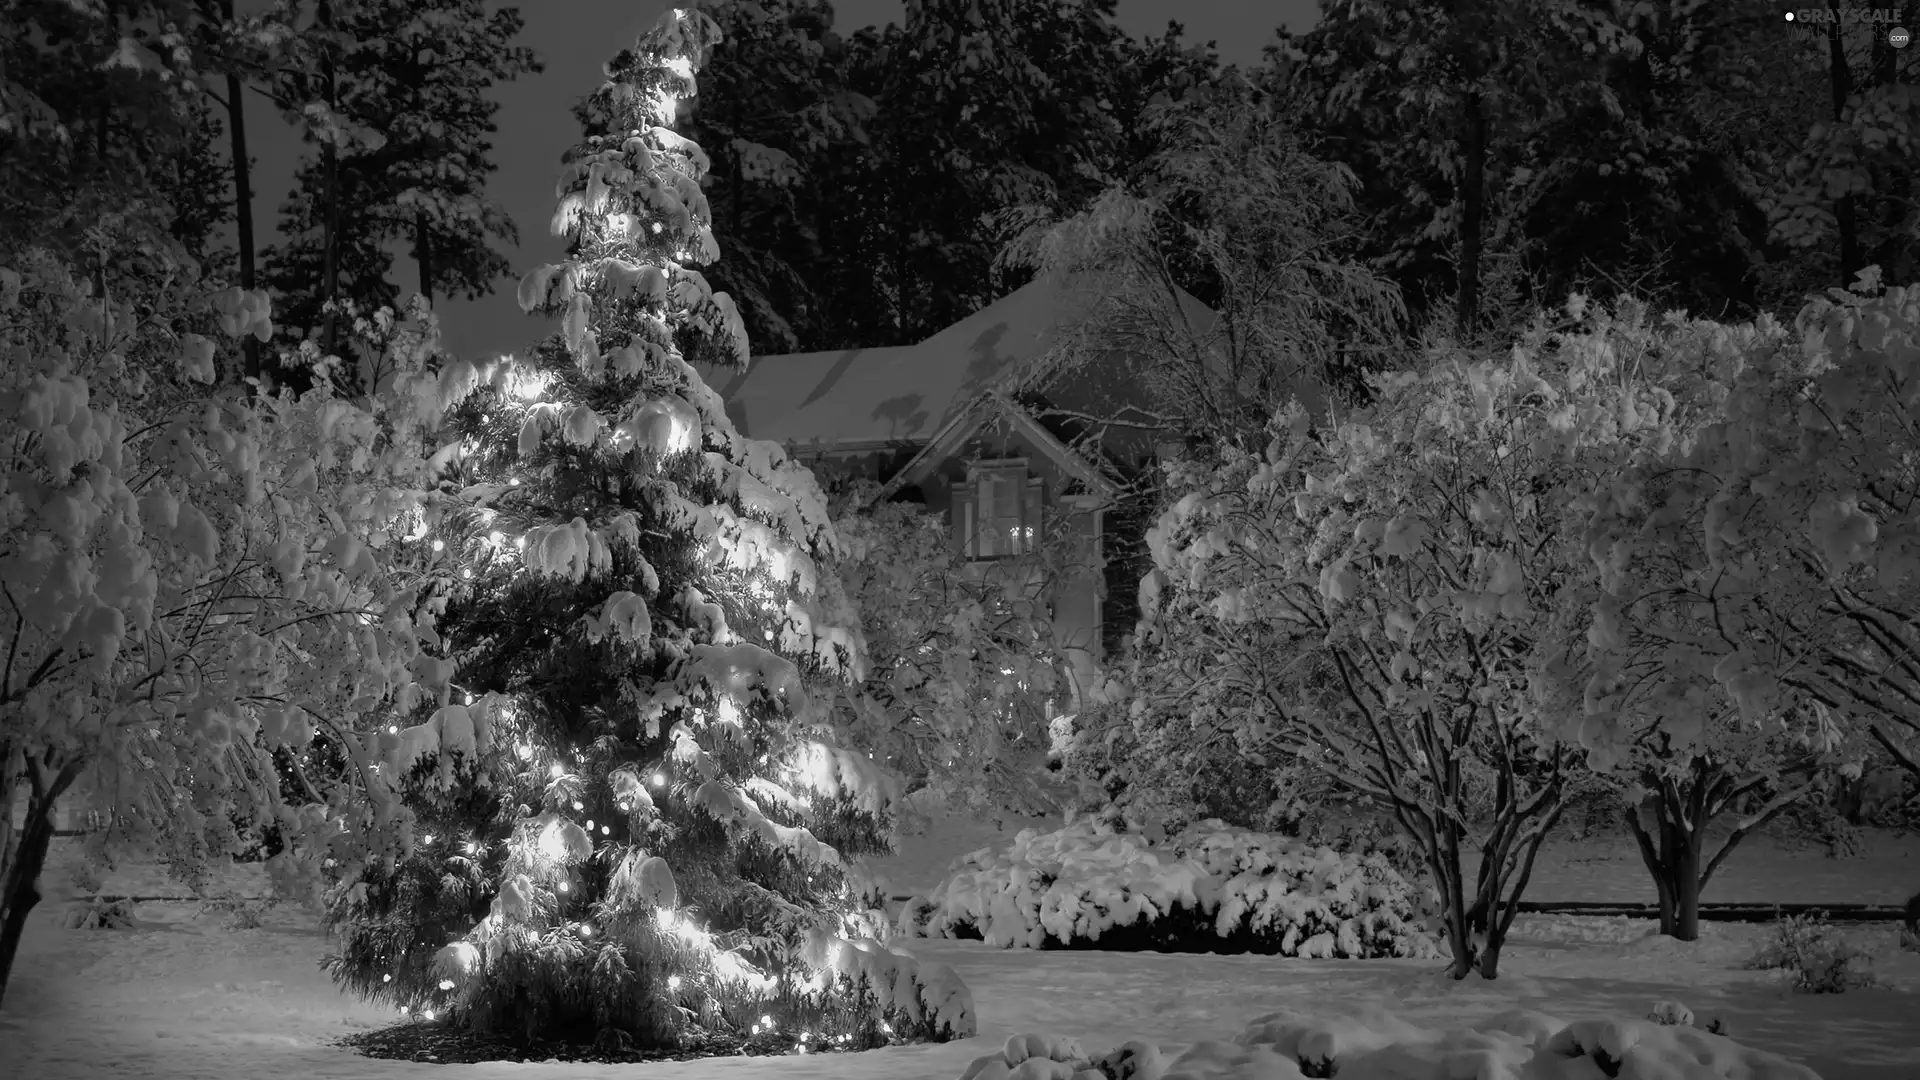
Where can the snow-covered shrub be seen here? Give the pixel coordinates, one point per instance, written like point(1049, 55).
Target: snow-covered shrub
point(1211, 888)
point(86, 875)
point(1814, 957)
point(1376, 1045)
point(238, 912)
point(97, 914)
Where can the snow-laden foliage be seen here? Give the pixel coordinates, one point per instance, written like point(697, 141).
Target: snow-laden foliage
point(1651, 647)
point(915, 1000)
point(1373, 1044)
point(640, 805)
point(197, 580)
point(1365, 598)
point(1791, 520)
point(1211, 888)
point(961, 663)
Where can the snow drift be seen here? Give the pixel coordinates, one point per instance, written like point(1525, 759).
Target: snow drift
point(1375, 1045)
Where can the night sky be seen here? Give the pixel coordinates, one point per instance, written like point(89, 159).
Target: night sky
point(574, 37)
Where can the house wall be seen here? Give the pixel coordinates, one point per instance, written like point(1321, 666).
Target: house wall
point(1077, 596)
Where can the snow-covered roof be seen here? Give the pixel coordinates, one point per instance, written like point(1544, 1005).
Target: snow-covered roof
point(903, 395)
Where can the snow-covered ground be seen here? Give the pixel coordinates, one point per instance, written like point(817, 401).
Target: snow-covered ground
point(181, 998)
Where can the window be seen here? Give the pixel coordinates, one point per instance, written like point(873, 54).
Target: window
point(997, 511)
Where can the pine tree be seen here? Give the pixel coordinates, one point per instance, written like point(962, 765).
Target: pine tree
point(637, 826)
point(418, 75)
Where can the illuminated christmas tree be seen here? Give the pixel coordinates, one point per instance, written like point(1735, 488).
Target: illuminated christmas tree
point(632, 822)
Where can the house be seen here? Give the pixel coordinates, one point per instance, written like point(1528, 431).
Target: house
point(952, 422)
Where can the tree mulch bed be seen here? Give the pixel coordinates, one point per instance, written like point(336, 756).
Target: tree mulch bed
point(440, 1043)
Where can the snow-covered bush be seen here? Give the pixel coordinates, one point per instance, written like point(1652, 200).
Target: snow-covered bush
point(1211, 888)
point(1376, 1045)
point(98, 914)
point(1814, 957)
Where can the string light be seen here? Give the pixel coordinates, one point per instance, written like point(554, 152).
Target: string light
point(673, 982)
point(557, 770)
point(446, 984)
point(439, 545)
point(577, 805)
point(426, 1014)
point(525, 752)
point(659, 779)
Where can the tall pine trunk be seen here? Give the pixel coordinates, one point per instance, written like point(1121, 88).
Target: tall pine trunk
point(242, 197)
point(1473, 210)
point(1840, 81)
point(423, 254)
point(330, 228)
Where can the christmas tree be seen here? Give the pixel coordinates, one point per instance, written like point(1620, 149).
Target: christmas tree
point(631, 820)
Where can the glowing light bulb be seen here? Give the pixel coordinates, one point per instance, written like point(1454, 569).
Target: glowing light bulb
point(469, 699)
point(525, 751)
point(446, 984)
point(673, 982)
point(427, 839)
point(439, 545)
point(496, 538)
point(659, 779)
point(577, 806)
point(564, 887)
point(626, 805)
point(585, 930)
point(386, 978)
point(403, 1010)
point(606, 830)
point(557, 770)
point(472, 848)
point(589, 824)
point(393, 729)
point(767, 1022)
point(426, 1014)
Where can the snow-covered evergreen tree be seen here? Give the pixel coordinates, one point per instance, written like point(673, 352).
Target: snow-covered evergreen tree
point(637, 826)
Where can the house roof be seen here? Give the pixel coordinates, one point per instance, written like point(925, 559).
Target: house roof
point(902, 395)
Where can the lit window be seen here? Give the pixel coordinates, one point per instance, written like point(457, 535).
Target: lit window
point(997, 511)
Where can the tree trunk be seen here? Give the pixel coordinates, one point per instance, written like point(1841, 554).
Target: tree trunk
point(23, 884)
point(423, 254)
point(1473, 211)
point(1672, 856)
point(20, 887)
point(1840, 81)
point(242, 199)
point(330, 230)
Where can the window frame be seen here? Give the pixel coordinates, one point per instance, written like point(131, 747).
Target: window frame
point(973, 516)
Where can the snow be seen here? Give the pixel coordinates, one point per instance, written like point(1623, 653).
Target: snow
point(180, 997)
point(1082, 880)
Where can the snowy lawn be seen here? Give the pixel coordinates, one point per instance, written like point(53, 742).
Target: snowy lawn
point(182, 998)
